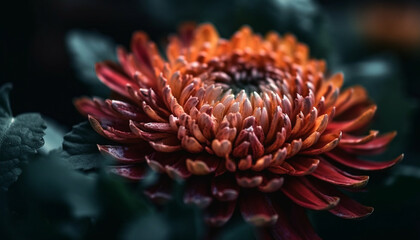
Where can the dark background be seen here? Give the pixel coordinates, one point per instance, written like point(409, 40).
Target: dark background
point(375, 43)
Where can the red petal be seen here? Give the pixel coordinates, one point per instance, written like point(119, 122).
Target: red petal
point(348, 139)
point(131, 153)
point(109, 132)
point(128, 111)
point(303, 193)
point(87, 107)
point(224, 187)
point(350, 160)
point(293, 223)
point(186, 33)
point(375, 146)
point(350, 209)
point(326, 143)
point(354, 124)
point(170, 144)
point(347, 207)
point(147, 136)
point(349, 98)
point(219, 212)
point(329, 173)
point(112, 76)
point(256, 208)
point(139, 45)
point(122, 59)
point(301, 166)
point(132, 172)
point(198, 192)
point(158, 127)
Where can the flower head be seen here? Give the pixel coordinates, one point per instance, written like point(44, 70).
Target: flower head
point(249, 123)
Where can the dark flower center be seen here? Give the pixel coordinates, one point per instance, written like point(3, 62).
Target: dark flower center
point(236, 74)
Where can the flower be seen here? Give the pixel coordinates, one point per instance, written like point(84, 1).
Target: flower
point(249, 123)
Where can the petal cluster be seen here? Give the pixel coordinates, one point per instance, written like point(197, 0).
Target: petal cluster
point(249, 122)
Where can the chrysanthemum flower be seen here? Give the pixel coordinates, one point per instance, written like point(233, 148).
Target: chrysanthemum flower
point(250, 123)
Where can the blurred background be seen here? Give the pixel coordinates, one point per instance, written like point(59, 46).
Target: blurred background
point(48, 49)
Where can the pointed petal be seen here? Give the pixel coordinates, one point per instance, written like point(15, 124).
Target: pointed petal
point(86, 106)
point(139, 45)
point(351, 97)
point(354, 124)
point(128, 111)
point(167, 145)
point(158, 127)
point(350, 209)
point(301, 166)
point(348, 139)
point(293, 223)
point(329, 173)
point(127, 153)
point(326, 143)
point(112, 76)
point(132, 172)
point(375, 146)
point(112, 133)
point(352, 161)
point(347, 208)
point(303, 193)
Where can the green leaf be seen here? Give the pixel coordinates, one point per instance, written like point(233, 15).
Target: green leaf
point(148, 227)
point(239, 231)
point(80, 147)
point(49, 180)
point(88, 48)
point(53, 135)
point(20, 137)
point(404, 170)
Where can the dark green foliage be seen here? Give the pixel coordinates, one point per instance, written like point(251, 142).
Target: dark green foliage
point(88, 48)
point(80, 147)
point(20, 137)
point(238, 231)
point(53, 135)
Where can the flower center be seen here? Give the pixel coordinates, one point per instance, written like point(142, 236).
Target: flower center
point(247, 78)
point(249, 74)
